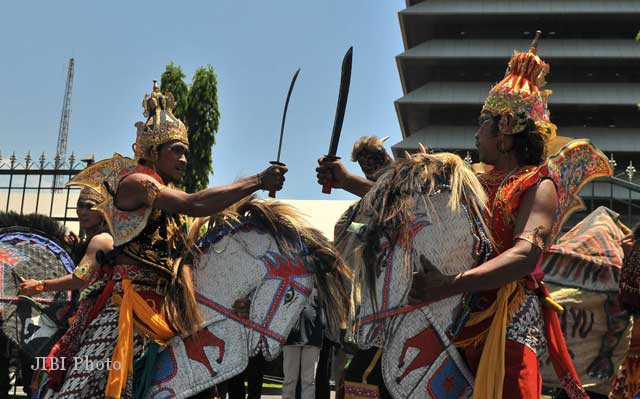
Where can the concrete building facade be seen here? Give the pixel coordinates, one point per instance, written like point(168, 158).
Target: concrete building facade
point(455, 51)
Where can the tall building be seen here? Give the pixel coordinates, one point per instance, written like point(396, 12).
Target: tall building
point(455, 51)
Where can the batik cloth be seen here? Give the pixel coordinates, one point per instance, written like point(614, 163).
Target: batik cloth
point(68, 345)
point(87, 377)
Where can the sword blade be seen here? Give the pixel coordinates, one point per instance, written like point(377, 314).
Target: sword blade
point(345, 80)
point(284, 114)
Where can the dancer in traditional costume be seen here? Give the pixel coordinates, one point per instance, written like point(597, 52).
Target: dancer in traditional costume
point(87, 278)
point(370, 154)
point(513, 317)
point(150, 296)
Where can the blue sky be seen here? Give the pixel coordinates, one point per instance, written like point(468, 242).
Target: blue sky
point(254, 47)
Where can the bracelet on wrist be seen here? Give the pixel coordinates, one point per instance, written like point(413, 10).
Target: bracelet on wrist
point(40, 286)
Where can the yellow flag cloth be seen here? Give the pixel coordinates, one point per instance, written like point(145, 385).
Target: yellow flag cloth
point(132, 303)
point(490, 376)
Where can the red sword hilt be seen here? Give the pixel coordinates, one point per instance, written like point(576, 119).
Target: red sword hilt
point(326, 187)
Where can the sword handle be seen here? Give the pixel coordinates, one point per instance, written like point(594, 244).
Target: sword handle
point(328, 185)
point(272, 193)
point(17, 276)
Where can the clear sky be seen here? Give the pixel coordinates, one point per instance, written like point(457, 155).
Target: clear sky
point(254, 47)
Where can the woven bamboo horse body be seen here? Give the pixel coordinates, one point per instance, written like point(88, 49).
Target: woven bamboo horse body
point(431, 205)
point(262, 250)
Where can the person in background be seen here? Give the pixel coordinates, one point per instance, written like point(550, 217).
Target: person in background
point(302, 351)
point(370, 154)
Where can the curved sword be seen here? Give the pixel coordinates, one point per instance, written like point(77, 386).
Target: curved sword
point(272, 194)
point(345, 80)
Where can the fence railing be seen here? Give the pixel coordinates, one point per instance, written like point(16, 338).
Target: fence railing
point(31, 185)
point(37, 186)
point(619, 193)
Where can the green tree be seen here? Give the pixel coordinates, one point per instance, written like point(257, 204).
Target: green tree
point(202, 119)
point(172, 80)
point(197, 107)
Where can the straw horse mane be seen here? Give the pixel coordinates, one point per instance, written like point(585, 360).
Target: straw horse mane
point(293, 234)
point(389, 206)
point(44, 225)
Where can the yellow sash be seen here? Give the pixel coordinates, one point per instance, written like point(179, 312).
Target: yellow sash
point(132, 304)
point(490, 375)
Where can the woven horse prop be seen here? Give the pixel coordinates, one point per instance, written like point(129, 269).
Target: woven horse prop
point(33, 246)
point(257, 249)
point(429, 205)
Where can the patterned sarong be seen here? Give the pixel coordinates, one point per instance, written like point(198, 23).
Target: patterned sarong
point(87, 376)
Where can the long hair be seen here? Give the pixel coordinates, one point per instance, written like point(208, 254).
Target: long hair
point(529, 146)
point(180, 308)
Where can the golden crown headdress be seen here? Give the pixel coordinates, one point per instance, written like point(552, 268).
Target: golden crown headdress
point(89, 194)
point(518, 96)
point(161, 125)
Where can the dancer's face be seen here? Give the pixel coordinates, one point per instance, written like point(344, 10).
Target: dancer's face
point(370, 163)
point(172, 161)
point(486, 140)
point(87, 218)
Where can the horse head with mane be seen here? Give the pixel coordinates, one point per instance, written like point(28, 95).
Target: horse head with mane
point(261, 250)
point(427, 205)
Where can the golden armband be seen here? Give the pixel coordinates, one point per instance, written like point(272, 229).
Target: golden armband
point(84, 270)
point(533, 237)
point(151, 190)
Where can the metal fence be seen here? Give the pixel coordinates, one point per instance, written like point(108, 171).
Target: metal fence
point(32, 186)
point(620, 193)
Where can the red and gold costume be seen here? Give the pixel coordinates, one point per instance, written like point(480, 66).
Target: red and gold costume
point(510, 327)
point(132, 315)
point(67, 346)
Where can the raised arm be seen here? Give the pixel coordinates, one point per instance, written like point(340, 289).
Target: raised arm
point(341, 178)
point(139, 189)
point(532, 229)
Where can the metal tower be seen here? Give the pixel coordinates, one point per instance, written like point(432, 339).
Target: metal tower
point(61, 151)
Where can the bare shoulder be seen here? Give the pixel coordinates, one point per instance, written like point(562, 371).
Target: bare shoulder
point(545, 192)
point(136, 190)
point(137, 181)
point(101, 242)
point(542, 197)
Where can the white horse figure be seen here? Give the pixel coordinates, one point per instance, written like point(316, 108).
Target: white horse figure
point(260, 250)
point(430, 205)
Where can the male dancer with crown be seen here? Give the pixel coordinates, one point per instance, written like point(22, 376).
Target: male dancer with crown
point(150, 292)
point(512, 318)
